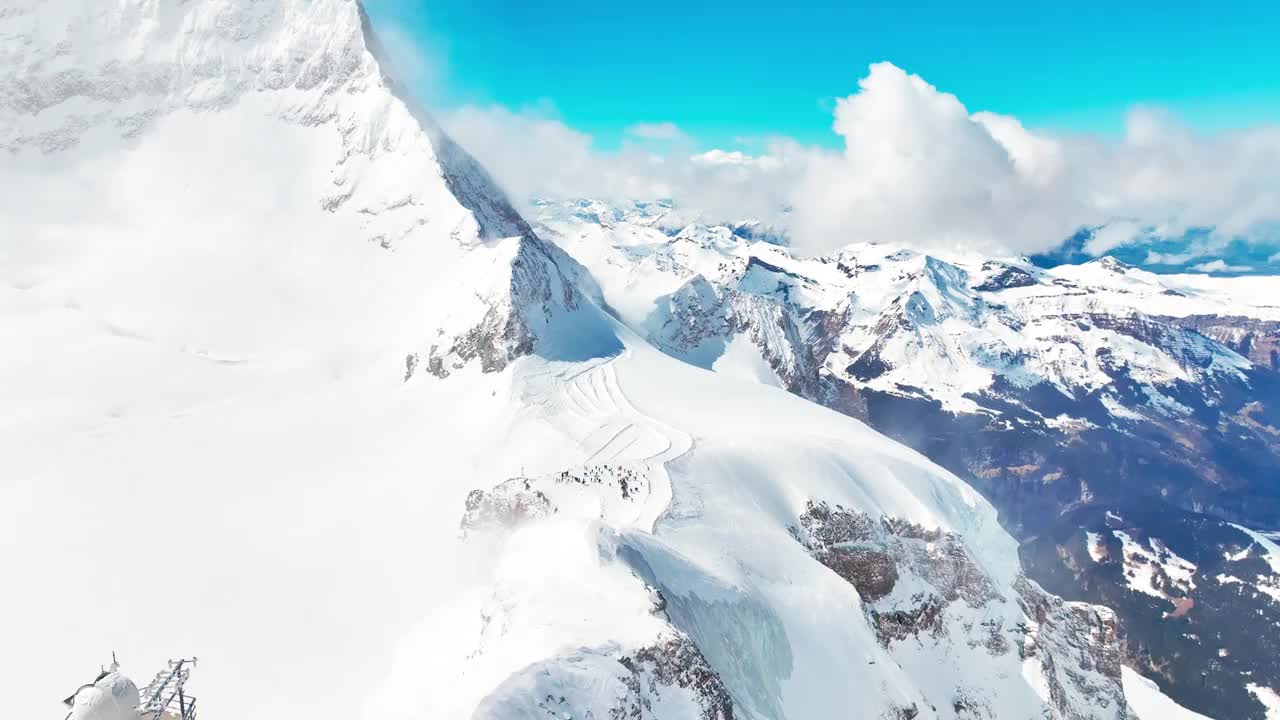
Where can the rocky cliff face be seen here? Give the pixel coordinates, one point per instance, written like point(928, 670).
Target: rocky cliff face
point(701, 320)
point(924, 593)
point(1258, 340)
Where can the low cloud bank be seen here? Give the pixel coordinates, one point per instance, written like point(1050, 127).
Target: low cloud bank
point(917, 167)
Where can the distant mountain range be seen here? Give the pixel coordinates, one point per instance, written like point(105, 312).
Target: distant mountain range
point(1121, 421)
point(1193, 251)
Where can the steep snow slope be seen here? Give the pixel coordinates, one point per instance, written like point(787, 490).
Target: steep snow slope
point(224, 234)
point(1149, 704)
point(759, 562)
point(288, 376)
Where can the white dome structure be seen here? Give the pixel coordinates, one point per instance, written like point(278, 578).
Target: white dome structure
point(111, 697)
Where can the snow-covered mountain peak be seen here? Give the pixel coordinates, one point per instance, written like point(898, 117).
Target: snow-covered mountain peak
point(938, 325)
point(283, 111)
point(125, 62)
point(275, 314)
point(106, 73)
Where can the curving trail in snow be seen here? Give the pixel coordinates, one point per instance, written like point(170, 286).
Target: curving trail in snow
point(556, 603)
point(588, 405)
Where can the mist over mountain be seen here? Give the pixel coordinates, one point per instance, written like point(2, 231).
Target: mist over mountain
point(916, 167)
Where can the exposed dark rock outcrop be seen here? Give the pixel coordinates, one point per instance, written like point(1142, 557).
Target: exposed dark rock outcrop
point(1004, 276)
point(519, 499)
point(871, 554)
point(1078, 647)
point(508, 328)
point(674, 661)
point(668, 674)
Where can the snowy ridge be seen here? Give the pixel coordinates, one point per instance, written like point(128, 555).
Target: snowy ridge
point(935, 327)
point(140, 77)
point(277, 294)
point(724, 560)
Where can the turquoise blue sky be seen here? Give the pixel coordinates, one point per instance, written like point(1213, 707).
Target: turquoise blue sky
point(729, 71)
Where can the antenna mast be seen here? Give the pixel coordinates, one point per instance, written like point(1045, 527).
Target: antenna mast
point(166, 698)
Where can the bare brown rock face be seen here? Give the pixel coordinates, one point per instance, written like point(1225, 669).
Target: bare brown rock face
point(871, 555)
point(872, 572)
point(702, 314)
point(895, 625)
point(953, 601)
point(499, 338)
point(534, 292)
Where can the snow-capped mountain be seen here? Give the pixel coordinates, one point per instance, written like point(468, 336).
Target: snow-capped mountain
point(896, 321)
point(291, 385)
point(1070, 397)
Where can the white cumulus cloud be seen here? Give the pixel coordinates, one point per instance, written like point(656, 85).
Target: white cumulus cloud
point(917, 167)
point(532, 153)
point(1219, 265)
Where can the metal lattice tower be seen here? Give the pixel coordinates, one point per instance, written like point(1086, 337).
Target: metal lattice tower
point(165, 697)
